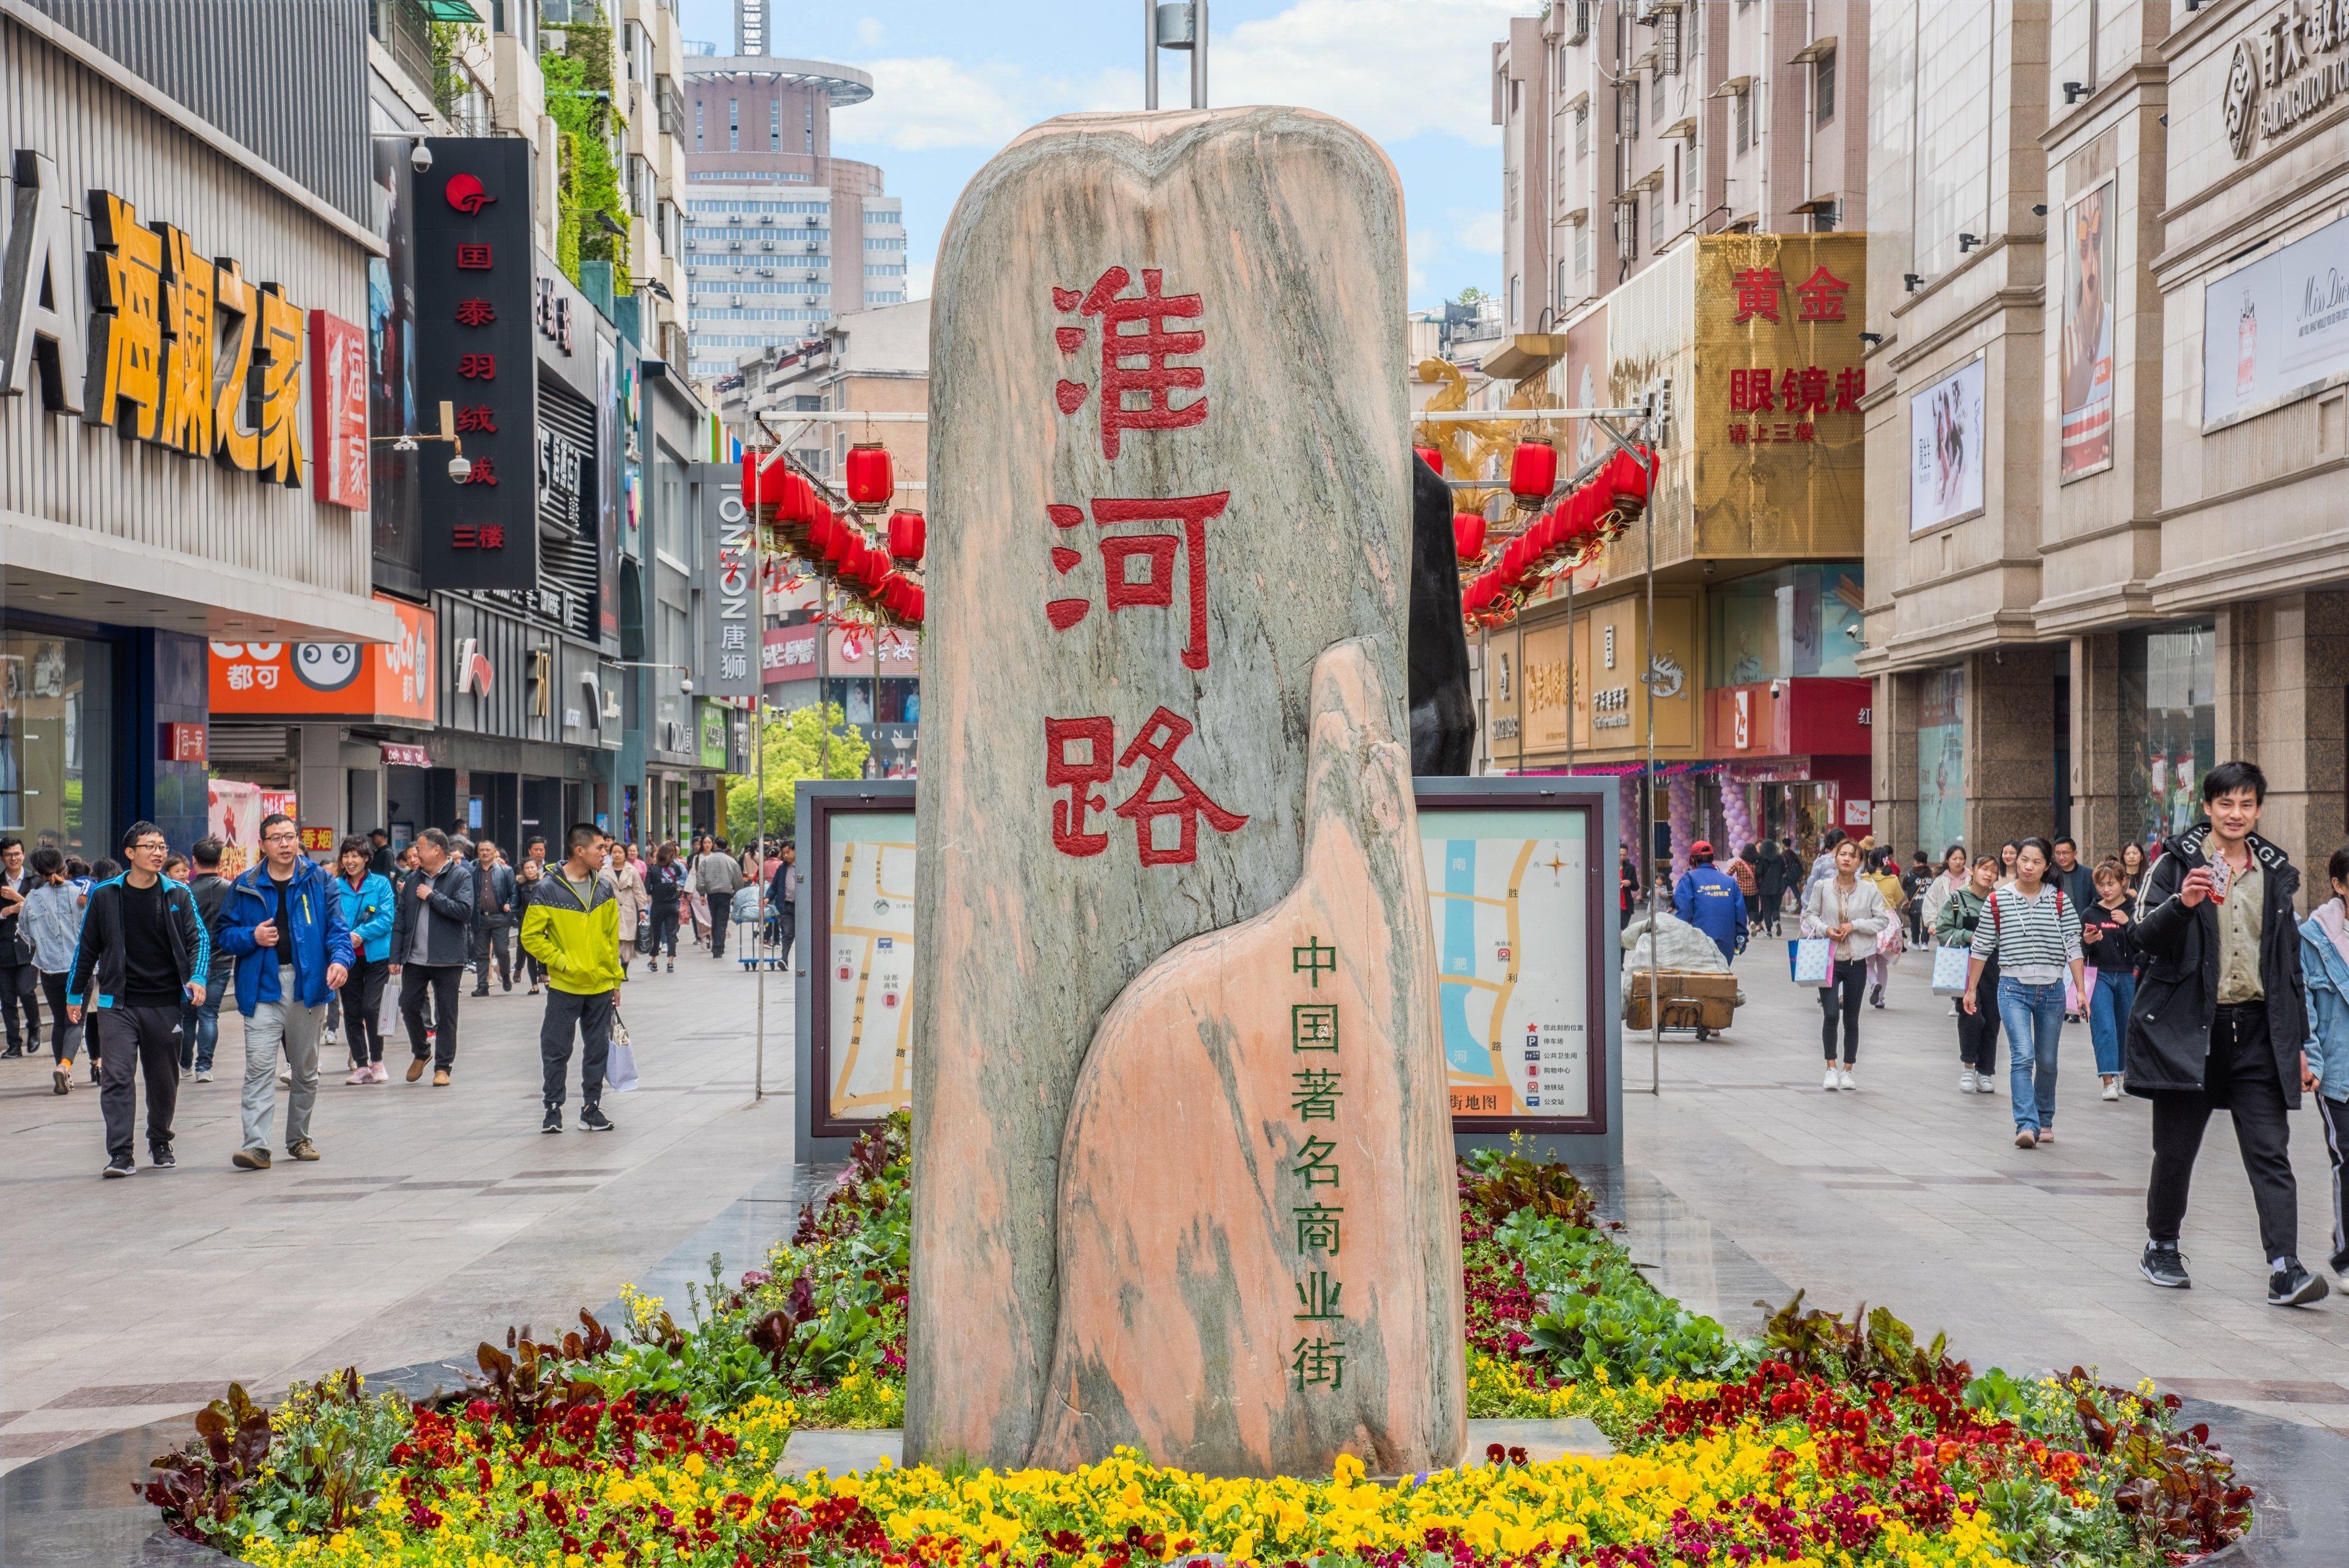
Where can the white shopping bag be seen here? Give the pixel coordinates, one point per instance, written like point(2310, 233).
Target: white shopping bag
point(1950, 965)
point(620, 1065)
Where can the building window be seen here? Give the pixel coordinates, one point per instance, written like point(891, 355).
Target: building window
point(57, 774)
point(1565, 288)
point(1627, 111)
point(697, 126)
point(1581, 250)
point(1941, 758)
point(1668, 43)
point(1823, 77)
point(1513, 95)
point(1676, 176)
point(1656, 97)
point(1741, 112)
point(733, 125)
point(1516, 299)
point(1656, 210)
point(775, 125)
point(810, 129)
point(1582, 132)
point(2168, 716)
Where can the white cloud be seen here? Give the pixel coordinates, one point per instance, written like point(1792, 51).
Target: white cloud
point(1391, 68)
point(1421, 247)
point(1479, 232)
point(920, 274)
point(870, 31)
point(928, 102)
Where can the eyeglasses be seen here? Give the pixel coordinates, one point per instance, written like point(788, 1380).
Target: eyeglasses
point(281, 839)
point(155, 846)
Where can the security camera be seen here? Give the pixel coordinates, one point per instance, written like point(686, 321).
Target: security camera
point(419, 156)
point(1777, 689)
point(461, 467)
point(685, 684)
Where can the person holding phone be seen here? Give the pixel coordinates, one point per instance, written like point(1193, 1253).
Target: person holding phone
point(2220, 1023)
point(2109, 937)
point(144, 953)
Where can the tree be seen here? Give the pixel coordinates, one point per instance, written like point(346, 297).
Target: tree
point(1472, 295)
point(795, 750)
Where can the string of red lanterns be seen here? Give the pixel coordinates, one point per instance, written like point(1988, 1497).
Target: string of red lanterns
point(1564, 537)
point(799, 515)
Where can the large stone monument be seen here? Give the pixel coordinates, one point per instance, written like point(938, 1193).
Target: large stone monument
point(1182, 1155)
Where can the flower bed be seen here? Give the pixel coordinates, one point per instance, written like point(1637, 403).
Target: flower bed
point(1826, 1441)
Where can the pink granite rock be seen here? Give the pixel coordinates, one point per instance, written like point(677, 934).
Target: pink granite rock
point(1139, 560)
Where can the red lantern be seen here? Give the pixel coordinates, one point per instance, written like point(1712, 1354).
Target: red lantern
point(1468, 534)
point(750, 478)
point(908, 534)
point(871, 568)
point(871, 480)
point(1432, 457)
point(1533, 469)
point(799, 500)
point(839, 537)
point(917, 605)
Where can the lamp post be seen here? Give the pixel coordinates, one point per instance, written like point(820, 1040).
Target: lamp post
point(1175, 24)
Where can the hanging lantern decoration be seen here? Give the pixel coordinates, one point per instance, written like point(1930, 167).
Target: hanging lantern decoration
point(1533, 469)
point(1468, 534)
point(871, 480)
point(838, 536)
point(1432, 456)
point(908, 534)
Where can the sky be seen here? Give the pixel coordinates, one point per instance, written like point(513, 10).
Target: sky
point(953, 80)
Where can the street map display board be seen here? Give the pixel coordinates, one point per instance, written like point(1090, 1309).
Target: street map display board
point(867, 949)
point(1517, 927)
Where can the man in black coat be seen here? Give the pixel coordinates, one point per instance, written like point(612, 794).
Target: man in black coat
point(2221, 1016)
point(430, 937)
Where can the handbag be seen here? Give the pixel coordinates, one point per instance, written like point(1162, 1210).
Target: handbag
point(1949, 966)
point(1814, 960)
point(620, 1064)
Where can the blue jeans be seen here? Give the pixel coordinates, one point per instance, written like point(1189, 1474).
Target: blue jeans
point(2033, 1016)
point(2108, 1011)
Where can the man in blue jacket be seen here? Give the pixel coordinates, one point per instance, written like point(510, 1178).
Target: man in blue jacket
point(284, 923)
point(1708, 899)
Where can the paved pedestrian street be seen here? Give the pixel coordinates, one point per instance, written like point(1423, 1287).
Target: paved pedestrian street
point(435, 1219)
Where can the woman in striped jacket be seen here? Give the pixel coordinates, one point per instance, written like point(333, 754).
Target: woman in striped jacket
point(2033, 932)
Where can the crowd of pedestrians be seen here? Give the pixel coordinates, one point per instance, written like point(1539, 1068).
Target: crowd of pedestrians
point(2201, 988)
point(132, 962)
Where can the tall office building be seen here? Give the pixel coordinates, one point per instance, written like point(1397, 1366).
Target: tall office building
point(780, 236)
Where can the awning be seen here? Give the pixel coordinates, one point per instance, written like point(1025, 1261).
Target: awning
point(452, 11)
point(1813, 51)
point(1733, 88)
point(1525, 354)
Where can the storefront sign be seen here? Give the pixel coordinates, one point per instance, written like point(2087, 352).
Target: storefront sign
point(2277, 329)
point(2287, 71)
point(184, 743)
point(730, 599)
point(1809, 715)
point(789, 653)
point(390, 680)
point(713, 734)
point(1945, 448)
point(338, 410)
point(317, 841)
point(150, 333)
point(400, 756)
point(475, 277)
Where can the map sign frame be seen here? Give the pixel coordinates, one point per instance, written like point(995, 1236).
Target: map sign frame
point(1528, 811)
point(862, 830)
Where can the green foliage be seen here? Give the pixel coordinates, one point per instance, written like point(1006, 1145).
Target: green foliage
point(579, 98)
point(1599, 1310)
point(1868, 1347)
point(795, 750)
point(332, 1445)
point(200, 1487)
point(449, 40)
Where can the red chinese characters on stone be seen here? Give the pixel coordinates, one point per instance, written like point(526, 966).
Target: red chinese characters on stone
point(1154, 554)
point(1154, 379)
point(1161, 735)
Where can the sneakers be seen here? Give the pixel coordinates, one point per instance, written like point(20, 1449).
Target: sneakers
point(1828, 1083)
point(440, 1079)
point(382, 1075)
point(533, 990)
point(2046, 1135)
point(116, 1169)
point(2025, 1138)
point(61, 1080)
point(250, 1160)
point(415, 1069)
point(302, 1149)
point(1875, 996)
point(2112, 1088)
point(360, 1076)
point(285, 1077)
point(1983, 1084)
point(203, 1075)
point(1843, 1079)
point(163, 1156)
point(2163, 1265)
point(2292, 1285)
point(553, 1121)
point(594, 1120)
point(1966, 1082)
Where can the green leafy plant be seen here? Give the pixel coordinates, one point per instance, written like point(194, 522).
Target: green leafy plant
point(587, 185)
point(1861, 1349)
point(199, 1487)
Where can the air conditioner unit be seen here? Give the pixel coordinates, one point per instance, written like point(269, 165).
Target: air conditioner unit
point(693, 244)
point(766, 245)
point(733, 245)
point(733, 302)
point(734, 220)
point(766, 272)
point(814, 246)
point(815, 277)
point(813, 222)
point(766, 217)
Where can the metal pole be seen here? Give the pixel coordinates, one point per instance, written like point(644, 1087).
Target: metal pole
point(822, 680)
point(1199, 56)
point(1570, 687)
point(1648, 815)
point(872, 731)
point(1150, 53)
point(759, 772)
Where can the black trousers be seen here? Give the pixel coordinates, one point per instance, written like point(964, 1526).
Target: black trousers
point(2333, 1116)
point(664, 936)
point(444, 983)
point(137, 1037)
point(65, 1039)
point(2239, 1077)
point(362, 1003)
point(1978, 1030)
point(591, 1016)
point(720, 906)
point(20, 988)
point(492, 940)
point(1843, 995)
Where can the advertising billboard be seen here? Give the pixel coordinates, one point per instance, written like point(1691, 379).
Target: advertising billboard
point(330, 680)
point(2278, 328)
point(1945, 448)
point(2086, 367)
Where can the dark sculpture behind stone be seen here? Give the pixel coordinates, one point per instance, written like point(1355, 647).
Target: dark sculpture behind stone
point(1443, 711)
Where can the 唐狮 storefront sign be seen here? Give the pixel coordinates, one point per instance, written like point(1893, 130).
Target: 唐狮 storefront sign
point(729, 662)
point(150, 333)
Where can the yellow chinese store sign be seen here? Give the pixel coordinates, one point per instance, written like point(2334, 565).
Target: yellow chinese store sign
point(176, 347)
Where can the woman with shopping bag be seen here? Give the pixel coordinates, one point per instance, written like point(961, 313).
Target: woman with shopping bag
point(1847, 910)
point(1953, 938)
point(2033, 933)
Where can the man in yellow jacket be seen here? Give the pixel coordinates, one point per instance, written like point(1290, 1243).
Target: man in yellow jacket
point(573, 927)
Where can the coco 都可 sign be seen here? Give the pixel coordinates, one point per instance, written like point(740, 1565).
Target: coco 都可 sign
point(165, 344)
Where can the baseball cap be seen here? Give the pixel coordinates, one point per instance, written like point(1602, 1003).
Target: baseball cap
point(1700, 847)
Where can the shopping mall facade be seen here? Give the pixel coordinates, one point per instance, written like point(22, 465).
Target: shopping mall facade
point(2108, 422)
